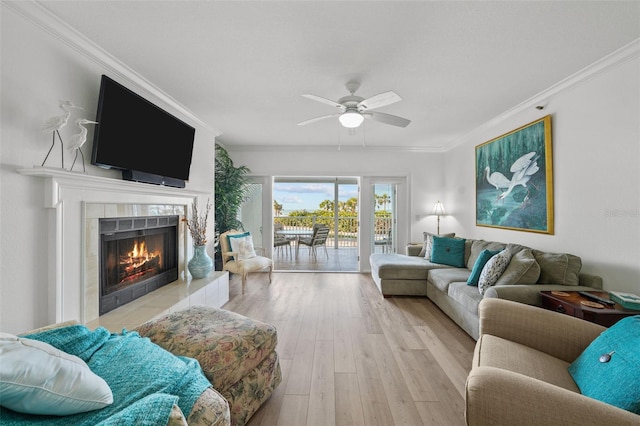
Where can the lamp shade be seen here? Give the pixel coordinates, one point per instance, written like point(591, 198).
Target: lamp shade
point(438, 209)
point(351, 119)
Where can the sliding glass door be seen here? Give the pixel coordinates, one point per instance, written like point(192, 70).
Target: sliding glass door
point(300, 204)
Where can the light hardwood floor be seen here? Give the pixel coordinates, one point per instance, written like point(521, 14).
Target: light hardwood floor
point(350, 357)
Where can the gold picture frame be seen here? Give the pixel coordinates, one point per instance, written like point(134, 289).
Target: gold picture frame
point(514, 179)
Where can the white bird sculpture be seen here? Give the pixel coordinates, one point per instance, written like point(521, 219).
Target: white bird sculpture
point(497, 179)
point(523, 168)
point(79, 139)
point(54, 124)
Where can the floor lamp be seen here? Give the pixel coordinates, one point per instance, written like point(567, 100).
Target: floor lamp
point(438, 210)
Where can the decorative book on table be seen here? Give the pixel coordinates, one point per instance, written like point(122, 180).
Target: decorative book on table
point(627, 300)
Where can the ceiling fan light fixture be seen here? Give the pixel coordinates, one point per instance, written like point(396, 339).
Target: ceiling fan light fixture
point(351, 119)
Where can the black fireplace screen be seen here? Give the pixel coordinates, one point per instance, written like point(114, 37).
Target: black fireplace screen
point(138, 255)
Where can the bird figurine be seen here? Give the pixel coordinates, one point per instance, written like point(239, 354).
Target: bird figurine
point(79, 139)
point(55, 123)
point(497, 179)
point(523, 168)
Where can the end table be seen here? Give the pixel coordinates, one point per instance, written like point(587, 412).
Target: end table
point(571, 303)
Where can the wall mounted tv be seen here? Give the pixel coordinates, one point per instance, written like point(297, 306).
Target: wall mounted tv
point(133, 135)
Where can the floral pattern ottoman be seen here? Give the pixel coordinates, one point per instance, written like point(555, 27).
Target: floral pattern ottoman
point(237, 354)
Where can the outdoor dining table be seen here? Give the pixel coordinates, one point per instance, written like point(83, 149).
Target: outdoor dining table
point(297, 233)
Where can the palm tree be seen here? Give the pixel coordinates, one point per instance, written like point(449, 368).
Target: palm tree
point(327, 205)
point(383, 200)
point(277, 208)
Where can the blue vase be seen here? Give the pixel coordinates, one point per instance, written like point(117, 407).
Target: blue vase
point(200, 264)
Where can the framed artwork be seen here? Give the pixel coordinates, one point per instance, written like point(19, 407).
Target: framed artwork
point(514, 179)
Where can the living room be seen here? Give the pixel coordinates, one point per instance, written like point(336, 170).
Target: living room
point(595, 118)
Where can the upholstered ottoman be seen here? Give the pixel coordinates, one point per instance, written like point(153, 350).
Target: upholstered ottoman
point(236, 353)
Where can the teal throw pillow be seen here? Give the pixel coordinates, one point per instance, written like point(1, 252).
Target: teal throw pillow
point(609, 368)
point(482, 259)
point(448, 251)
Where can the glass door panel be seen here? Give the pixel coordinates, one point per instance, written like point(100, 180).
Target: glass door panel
point(383, 232)
point(251, 214)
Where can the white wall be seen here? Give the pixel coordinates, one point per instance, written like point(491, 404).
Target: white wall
point(596, 171)
point(37, 70)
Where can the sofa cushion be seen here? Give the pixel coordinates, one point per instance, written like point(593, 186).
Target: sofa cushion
point(558, 268)
point(428, 243)
point(478, 246)
point(465, 295)
point(613, 379)
point(441, 278)
point(482, 260)
point(492, 351)
point(493, 270)
point(400, 267)
point(448, 251)
point(522, 269)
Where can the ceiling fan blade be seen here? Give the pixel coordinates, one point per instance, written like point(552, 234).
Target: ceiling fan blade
point(387, 118)
point(313, 120)
point(380, 100)
point(324, 101)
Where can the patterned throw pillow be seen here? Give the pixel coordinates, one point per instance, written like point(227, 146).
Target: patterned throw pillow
point(493, 269)
point(483, 258)
point(243, 245)
point(428, 244)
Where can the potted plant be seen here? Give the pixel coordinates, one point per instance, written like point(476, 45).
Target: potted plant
point(231, 187)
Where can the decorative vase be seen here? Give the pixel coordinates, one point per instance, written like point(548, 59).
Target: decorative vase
point(200, 264)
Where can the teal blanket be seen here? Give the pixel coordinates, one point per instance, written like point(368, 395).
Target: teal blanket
point(145, 379)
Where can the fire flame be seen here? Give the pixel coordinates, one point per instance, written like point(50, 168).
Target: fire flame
point(140, 261)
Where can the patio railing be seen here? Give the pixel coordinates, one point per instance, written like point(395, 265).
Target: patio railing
point(347, 228)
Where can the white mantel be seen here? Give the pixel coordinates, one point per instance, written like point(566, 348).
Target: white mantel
point(76, 199)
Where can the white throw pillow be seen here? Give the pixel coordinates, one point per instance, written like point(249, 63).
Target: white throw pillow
point(36, 378)
point(243, 245)
point(493, 269)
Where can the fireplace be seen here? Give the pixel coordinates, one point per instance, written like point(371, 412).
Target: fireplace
point(137, 256)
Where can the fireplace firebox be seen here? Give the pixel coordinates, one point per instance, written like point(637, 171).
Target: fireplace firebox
point(137, 256)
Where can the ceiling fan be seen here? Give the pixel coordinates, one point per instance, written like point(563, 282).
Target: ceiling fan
point(352, 109)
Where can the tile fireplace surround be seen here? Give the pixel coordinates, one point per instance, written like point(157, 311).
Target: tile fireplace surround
point(78, 201)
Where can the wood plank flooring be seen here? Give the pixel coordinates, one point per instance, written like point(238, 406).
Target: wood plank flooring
point(351, 357)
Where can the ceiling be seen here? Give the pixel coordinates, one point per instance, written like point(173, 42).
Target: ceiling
point(242, 66)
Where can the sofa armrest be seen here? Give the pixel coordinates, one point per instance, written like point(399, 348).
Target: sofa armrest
point(500, 397)
point(589, 280)
point(413, 249)
point(559, 335)
point(529, 293)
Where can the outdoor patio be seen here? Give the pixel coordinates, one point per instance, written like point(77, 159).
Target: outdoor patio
point(342, 259)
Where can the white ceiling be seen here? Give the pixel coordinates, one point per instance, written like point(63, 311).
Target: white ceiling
point(242, 66)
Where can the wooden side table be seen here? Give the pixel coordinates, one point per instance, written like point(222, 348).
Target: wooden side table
point(570, 303)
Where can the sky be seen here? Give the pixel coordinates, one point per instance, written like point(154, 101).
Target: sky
point(308, 196)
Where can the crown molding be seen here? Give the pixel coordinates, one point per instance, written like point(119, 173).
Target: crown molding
point(334, 148)
point(38, 15)
point(617, 58)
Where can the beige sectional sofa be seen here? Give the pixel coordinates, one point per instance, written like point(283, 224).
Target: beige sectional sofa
point(529, 271)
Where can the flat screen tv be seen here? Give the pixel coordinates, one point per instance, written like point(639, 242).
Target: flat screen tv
point(133, 135)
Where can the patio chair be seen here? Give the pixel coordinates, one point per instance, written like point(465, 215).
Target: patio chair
point(318, 239)
point(280, 240)
point(245, 260)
